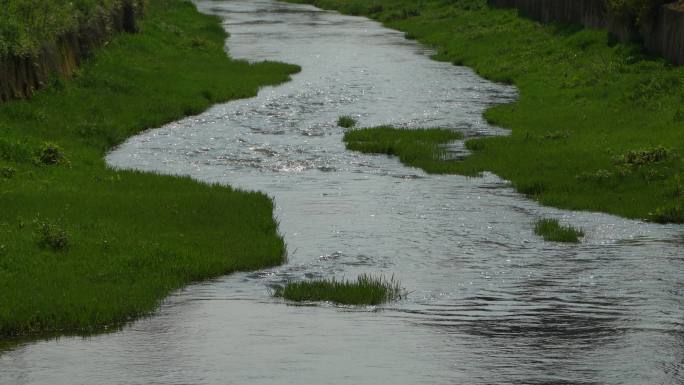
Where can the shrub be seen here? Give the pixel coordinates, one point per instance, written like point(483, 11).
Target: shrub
point(51, 154)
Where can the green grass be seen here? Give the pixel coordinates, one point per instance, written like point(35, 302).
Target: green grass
point(585, 102)
point(417, 148)
point(346, 122)
point(366, 290)
point(552, 231)
point(82, 245)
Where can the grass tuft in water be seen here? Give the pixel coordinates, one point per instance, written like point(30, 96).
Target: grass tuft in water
point(551, 230)
point(346, 121)
point(366, 290)
point(417, 148)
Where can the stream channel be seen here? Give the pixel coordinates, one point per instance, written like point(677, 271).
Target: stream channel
point(489, 303)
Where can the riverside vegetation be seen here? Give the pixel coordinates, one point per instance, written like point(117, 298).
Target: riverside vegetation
point(366, 290)
point(83, 246)
point(26, 24)
point(598, 125)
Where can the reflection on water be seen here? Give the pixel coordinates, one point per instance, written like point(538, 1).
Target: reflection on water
point(491, 303)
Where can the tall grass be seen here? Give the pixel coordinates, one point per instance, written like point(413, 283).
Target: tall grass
point(346, 121)
point(584, 102)
point(552, 230)
point(26, 24)
point(366, 290)
point(83, 246)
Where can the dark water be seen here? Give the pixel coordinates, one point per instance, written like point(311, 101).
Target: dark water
point(490, 302)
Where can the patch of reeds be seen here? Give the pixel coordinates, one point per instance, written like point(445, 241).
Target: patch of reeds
point(366, 290)
point(551, 230)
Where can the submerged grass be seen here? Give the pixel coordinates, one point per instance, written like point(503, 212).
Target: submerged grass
point(584, 102)
point(366, 290)
point(82, 245)
point(417, 148)
point(551, 230)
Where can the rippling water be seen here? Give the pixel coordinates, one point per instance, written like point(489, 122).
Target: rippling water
point(490, 302)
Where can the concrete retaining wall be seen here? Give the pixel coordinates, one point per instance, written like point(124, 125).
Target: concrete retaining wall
point(21, 76)
point(664, 34)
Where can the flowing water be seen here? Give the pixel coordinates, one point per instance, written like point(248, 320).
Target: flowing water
point(490, 302)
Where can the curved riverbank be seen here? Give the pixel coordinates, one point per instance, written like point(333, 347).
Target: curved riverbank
point(590, 114)
point(84, 247)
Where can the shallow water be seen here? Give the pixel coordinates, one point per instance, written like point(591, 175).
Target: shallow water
point(490, 302)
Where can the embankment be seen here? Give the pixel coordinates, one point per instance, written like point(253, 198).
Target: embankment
point(22, 75)
point(662, 31)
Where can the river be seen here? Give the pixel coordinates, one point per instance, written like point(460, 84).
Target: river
point(489, 303)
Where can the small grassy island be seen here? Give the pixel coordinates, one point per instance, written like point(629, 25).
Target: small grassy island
point(346, 121)
point(417, 148)
point(598, 125)
point(83, 246)
point(551, 230)
point(366, 290)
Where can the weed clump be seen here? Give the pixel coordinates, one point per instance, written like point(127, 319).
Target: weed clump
point(7, 172)
point(643, 157)
point(366, 290)
point(346, 121)
point(53, 237)
point(51, 154)
point(556, 135)
point(551, 230)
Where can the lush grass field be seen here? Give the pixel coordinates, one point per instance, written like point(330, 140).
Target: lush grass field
point(599, 125)
point(366, 290)
point(83, 246)
point(552, 230)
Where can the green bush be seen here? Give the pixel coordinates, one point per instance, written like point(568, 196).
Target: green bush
point(51, 154)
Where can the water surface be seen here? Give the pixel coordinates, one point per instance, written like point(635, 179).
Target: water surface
point(490, 302)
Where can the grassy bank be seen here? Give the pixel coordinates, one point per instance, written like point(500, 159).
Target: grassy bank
point(366, 290)
point(598, 125)
point(81, 245)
